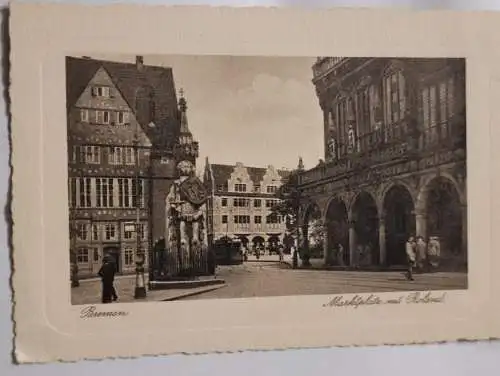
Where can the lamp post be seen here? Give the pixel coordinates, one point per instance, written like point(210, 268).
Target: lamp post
point(140, 282)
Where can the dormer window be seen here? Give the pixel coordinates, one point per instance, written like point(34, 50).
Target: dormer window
point(101, 91)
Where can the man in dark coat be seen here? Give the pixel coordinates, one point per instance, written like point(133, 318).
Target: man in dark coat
point(107, 274)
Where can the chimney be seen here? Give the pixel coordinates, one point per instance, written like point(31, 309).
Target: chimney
point(139, 62)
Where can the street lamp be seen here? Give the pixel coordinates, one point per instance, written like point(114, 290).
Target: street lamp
point(140, 283)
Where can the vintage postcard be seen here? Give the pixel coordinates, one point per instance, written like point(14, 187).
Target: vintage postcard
point(198, 184)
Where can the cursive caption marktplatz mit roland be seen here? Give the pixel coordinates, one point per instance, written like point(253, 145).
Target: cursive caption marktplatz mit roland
point(373, 299)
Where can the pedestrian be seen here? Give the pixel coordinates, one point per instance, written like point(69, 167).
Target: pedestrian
point(434, 252)
point(107, 274)
point(410, 254)
point(421, 247)
point(280, 250)
point(340, 255)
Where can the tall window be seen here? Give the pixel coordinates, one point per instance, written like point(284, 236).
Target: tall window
point(106, 192)
point(84, 115)
point(364, 104)
point(224, 201)
point(137, 193)
point(257, 203)
point(85, 192)
point(72, 192)
point(437, 109)
point(224, 219)
point(395, 103)
point(129, 156)
point(342, 124)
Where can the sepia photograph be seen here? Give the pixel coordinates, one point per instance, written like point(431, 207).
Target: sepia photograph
point(213, 177)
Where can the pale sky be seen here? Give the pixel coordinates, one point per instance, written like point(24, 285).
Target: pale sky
point(254, 110)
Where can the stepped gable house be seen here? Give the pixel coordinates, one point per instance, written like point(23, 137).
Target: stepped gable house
point(395, 158)
point(241, 199)
point(124, 141)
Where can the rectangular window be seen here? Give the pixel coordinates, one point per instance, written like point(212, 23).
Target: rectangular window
point(269, 203)
point(84, 190)
point(101, 91)
point(224, 219)
point(110, 232)
point(240, 187)
point(102, 117)
point(129, 256)
point(115, 155)
point(223, 202)
point(271, 189)
point(95, 232)
point(258, 219)
point(120, 193)
point(83, 231)
point(92, 154)
point(82, 256)
point(84, 115)
point(256, 188)
point(128, 231)
point(129, 156)
point(257, 203)
point(121, 118)
point(98, 193)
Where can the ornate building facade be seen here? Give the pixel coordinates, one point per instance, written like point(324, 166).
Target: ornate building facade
point(395, 158)
point(126, 134)
point(241, 201)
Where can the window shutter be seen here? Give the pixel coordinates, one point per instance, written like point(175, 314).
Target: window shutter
point(94, 91)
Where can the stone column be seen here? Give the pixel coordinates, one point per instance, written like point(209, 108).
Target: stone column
point(326, 251)
point(352, 243)
point(421, 224)
point(381, 241)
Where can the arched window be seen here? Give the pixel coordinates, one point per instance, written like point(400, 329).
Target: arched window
point(394, 88)
point(145, 104)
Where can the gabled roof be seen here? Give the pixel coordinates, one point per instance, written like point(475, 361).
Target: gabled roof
point(222, 173)
point(127, 78)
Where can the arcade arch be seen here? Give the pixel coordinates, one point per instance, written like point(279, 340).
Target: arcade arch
point(399, 210)
point(366, 226)
point(337, 231)
point(441, 204)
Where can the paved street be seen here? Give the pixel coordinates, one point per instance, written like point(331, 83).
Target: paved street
point(261, 278)
point(267, 277)
point(89, 291)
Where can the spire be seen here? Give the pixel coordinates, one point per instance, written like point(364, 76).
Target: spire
point(183, 110)
point(300, 166)
point(188, 148)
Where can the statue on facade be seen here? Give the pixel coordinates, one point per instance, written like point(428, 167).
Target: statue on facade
point(186, 227)
point(332, 149)
point(351, 138)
